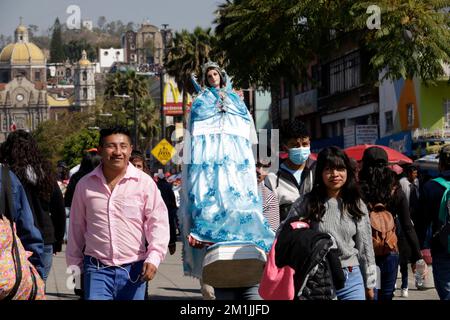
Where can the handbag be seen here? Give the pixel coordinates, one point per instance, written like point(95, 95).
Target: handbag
point(233, 264)
point(278, 283)
point(19, 280)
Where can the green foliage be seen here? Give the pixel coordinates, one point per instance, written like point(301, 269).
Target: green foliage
point(413, 39)
point(73, 50)
point(265, 40)
point(51, 135)
point(56, 44)
point(77, 143)
point(122, 108)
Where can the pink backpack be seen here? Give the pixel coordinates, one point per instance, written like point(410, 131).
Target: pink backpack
point(278, 283)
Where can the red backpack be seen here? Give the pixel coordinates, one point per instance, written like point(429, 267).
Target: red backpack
point(384, 236)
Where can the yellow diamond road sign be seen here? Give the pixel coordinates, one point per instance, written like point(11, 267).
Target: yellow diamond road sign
point(163, 151)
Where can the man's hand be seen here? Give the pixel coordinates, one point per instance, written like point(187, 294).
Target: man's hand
point(195, 243)
point(148, 271)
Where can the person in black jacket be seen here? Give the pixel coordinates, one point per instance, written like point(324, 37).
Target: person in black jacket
point(89, 162)
point(380, 185)
point(430, 201)
point(169, 199)
point(20, 151)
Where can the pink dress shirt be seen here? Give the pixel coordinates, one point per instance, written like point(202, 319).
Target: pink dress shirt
point(115, 225)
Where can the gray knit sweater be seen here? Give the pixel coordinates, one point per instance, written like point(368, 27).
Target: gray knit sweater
point(352, 238)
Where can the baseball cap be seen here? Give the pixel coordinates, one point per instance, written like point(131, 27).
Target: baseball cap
point(375, 156)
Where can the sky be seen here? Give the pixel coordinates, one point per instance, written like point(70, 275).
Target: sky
point(179, 14)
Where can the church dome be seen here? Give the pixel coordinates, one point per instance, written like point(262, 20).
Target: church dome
point(21, 28)
point(84, 62)
point(22, 53)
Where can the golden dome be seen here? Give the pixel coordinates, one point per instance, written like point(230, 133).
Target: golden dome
point(84, 62)
point(21, 28)
point(22, 53)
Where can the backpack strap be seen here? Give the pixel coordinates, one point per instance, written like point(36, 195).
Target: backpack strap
point(443, 211)
point(7, 209)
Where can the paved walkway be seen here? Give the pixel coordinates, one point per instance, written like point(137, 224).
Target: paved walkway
point(170, 283)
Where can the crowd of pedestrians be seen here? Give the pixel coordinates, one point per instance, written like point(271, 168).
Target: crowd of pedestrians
point(360, 221)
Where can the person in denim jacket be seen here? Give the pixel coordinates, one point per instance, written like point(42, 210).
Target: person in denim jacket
point(23, 217)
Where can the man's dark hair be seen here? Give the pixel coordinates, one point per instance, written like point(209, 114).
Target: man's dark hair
point(113, 130)
point(411, 168)
point(136, 154)
point(293, 130)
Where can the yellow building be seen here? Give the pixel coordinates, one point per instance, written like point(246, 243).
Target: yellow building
point(23, 85)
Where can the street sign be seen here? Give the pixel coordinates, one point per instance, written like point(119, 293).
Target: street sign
point(163, 151)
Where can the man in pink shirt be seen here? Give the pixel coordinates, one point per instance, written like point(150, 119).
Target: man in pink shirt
point(119, 230)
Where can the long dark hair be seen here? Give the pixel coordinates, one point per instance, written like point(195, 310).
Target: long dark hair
point(378, 183)
point(21, 152)
point(333, 158)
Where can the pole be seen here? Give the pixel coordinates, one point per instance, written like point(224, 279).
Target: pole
point(161, 75)
point(161, 84)
point(135, 121)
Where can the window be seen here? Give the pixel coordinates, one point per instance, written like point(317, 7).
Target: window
point(105, 53)
point(447, 113)
point(389, 121)
point(345, 73)
point(410, 114)
point(37, 76)
point(84, 75)
point(85, 93)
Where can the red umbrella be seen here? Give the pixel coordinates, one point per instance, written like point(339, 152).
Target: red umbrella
point(356, 152)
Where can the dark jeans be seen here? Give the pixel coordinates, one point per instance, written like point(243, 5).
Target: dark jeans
point(441, 274)
point(249, 293)
point(388, 275)
point(404, 273)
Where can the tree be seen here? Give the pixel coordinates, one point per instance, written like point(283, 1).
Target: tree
point(413, 39)
point(32, 30)
point(77, 143)
point(149, 124)
point(51, 135)
point(73, 49)
point(267, 40)
point(135, 87)
point(56, 44)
